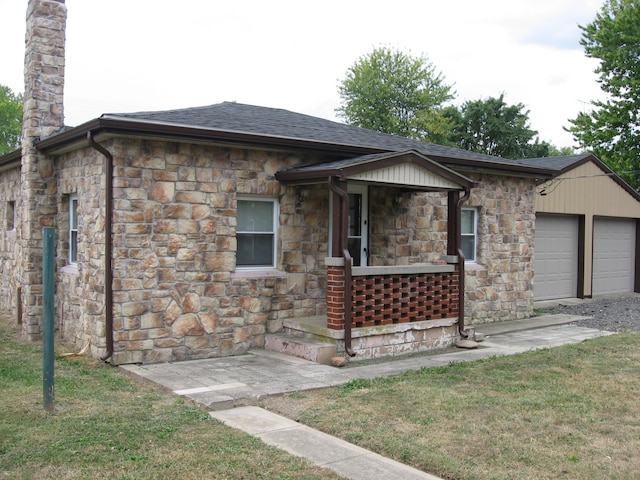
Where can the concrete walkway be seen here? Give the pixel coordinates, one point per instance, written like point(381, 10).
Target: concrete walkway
point(221, 384)
point(342, 457)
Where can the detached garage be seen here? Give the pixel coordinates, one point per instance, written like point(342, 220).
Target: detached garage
point(587, 231)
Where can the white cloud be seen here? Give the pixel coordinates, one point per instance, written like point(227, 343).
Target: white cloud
point(159, 54)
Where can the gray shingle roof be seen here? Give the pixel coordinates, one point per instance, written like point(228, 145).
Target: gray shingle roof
point(554, 163)
point(241, 118)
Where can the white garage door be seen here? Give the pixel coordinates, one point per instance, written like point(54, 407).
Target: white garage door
point(614, 244)
point(556, 257)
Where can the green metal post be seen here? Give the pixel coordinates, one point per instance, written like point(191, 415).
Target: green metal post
point(48, 282)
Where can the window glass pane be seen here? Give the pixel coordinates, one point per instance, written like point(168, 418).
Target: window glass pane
point(255, 216)
point(355, 250)
point(255, 250)
point(355, 213)
point(469, 247)
point(73, 229)
point(73, 247)
point(11, 215)
point(468, 221)
point(74, 213)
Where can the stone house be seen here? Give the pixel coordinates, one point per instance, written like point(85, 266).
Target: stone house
point(214, 230)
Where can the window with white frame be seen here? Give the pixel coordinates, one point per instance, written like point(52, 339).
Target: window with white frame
point(73, 229)
point(469, 231)
point(11, 215)
point(256, 232)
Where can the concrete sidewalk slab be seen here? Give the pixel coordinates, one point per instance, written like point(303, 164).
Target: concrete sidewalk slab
point(324, 450)
point(533, 323)
point(221, 383)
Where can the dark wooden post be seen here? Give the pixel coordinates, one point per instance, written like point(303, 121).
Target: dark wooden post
point(453, 223)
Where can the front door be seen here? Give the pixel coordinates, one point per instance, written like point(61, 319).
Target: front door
point(358, 223)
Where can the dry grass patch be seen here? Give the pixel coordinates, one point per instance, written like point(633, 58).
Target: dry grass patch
point(570, 412)
point(106, 426)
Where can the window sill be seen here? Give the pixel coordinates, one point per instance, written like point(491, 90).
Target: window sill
point(473, 266)
point(69, 269)
point(266, 273)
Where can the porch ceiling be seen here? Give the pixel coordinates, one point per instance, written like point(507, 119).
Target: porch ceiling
point(403, 169)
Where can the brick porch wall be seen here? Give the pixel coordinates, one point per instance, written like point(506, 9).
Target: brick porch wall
point(393, 298)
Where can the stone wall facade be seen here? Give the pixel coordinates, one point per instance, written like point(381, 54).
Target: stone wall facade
point(178, 293)
point(80, 292)
point(499, 286)
point(406, 228)
point(412, 228)
point(9, 204)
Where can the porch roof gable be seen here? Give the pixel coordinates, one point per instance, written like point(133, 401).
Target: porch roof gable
point(408, 169)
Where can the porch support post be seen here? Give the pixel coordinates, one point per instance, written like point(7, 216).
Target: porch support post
point(341, 248)
point(454, 240)
point(340, 220)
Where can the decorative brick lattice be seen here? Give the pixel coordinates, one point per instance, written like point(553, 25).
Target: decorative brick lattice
point(389, 299)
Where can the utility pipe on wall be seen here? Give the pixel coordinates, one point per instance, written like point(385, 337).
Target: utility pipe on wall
point(108, 243)
point(343, 248)
point(463, 332)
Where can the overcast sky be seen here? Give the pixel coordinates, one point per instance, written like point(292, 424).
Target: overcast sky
point(132, 55)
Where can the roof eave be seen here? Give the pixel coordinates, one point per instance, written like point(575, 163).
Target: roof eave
point(323, 172)
point(124, 126)
point(306, 178)
point(496, 168)
point(10, 160)
point(145, 128)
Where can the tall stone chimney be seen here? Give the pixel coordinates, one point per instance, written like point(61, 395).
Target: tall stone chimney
point(43, 115)
point(44, 68)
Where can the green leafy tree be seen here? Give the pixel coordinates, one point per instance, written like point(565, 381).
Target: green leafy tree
point(392, 92)
point(492, 127)
point(563, 151)
point(612, 128)
point(10, 120)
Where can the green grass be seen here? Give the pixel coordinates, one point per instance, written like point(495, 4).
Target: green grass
point(105, 425)
point(571, 412)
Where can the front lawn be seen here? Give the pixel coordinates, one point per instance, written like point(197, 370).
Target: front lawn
point(106, 426)
point(566, 413)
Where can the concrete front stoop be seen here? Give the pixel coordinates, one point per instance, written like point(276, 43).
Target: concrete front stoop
point(301, 347)
point(310, 338)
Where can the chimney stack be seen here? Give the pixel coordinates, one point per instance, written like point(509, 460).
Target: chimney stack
point(43, 116)
point(44, 69)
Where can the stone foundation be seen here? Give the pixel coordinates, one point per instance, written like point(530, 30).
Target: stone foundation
point(379, 341)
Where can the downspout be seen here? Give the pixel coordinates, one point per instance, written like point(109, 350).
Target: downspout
point(463, 332)
point(344, 213)
point(108, 243)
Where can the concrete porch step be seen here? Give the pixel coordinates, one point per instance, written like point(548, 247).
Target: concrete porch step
point(301, 347)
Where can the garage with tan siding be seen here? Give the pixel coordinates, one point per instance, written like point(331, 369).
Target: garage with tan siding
point(588, 200)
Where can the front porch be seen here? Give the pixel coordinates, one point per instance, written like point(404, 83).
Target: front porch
point(377, 304)
point(394, 311)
